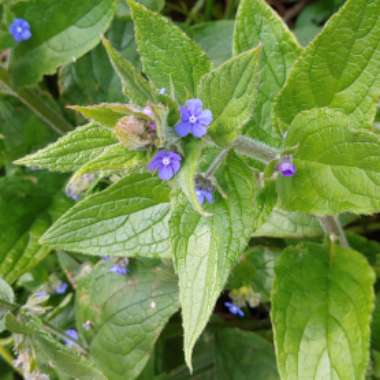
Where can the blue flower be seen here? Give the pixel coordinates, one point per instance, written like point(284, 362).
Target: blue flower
point(204, 194)
point(61, 288)
point(233, 309)
point(20, 30)
point(119, 269)
point(194, 119)
point(286, 167)
point(41, 294)
point(73, 335)
point(167, 164)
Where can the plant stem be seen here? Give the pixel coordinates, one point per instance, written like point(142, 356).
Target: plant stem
point(35, 103)
point(333, 228)
point(255, 149)
point(8, 358)
point(216, 163)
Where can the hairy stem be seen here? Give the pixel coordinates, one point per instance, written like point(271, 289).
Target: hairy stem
point(216, 163)
point(255, 149)
point(333, 228)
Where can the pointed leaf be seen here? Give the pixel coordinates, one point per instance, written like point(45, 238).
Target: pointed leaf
point(257, 23)
point(321, 307)
point(73, 150)
point(339, 70)
point(229, 92)
point(205, 249)
point(169, 56)
point(127, 219)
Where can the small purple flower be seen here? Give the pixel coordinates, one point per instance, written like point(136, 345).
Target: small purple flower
point(286, 167)
point(41, 294)
point(167, 164)
point(119, 269)
point(149, 112)
point(20, 30)
point(194, 119)
point(73, 335)
point(204, 195)
point(61, 288)
point(233, 309)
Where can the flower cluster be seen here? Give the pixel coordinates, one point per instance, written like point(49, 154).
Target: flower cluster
point(20, 30)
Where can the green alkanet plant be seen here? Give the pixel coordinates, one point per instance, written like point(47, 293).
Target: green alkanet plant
point(182, 171)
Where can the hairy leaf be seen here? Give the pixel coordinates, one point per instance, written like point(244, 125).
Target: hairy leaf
point(339, 70)
point(127, 315)
point(130, 218)
point(229, 91)
point(256, 23)
point(205, 249)
point(169, 56)
point(73, 150)
point(61, 31)
point(338, 168)
point(321, 307)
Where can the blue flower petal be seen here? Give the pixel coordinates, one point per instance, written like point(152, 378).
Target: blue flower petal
point(183, 129)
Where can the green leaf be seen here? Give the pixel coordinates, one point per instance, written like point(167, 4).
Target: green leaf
point(7, 296)
point(155, 5)
point(73, 150)
point(135, 86)
point(375, 326)
point(339, 70)
point(169, 56)
point(205, 249)
point(61, 32)
point(127, 316)
point(338, 168)
point(53, 353)
point(128, 219)
point(215, 38)
point(22, 132)
point(289, 225)
point(116, 158)
point(256, 23)
point(28, 206)
point(229, 91)
point(243, 355)
point(321, 307)
point(189, 170)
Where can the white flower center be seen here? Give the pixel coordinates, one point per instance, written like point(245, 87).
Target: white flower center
point(19, 29)
point(193, 119)
point(166, 161)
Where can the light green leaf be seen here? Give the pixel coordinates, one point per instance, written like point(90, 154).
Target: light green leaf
point(215, 38)
point(244, 355)
point(130, 218)
point(229, 92)
point(169, 56)
point(28, 206)
point(73, 150)
point(205, 249)
point(321, 307)
point(189, 170)
point(116, 158)
point(256, 23)
point(127, 316)
point(124, 11)
point(62, 31)
point(339, 69)
point(338, 168)
point(67, 360)
point(135, 86)
point(289, 225)
point(7, 295)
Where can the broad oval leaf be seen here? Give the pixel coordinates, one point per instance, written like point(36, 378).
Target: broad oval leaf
point(229, 92)
point(256, 23)
point(127, 315)
point(62, 31)
point(73, 150)
point(130, 218)
point(339, 69)
point(169, 57)
point(205, 249)
point(338, 168)
point(321, 308)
